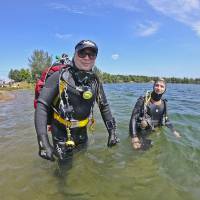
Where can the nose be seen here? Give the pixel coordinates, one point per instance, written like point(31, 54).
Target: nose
point(87, 56)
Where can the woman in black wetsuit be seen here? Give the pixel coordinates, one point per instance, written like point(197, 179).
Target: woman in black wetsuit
point(149, 112)
point(67, 99)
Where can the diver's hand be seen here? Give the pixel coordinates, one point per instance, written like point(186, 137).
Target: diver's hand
point(177, 134)
point(45, 149)
point(136, 143)
point(47, 154)
point(112, 139)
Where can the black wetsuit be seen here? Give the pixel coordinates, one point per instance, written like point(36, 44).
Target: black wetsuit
point(81, 109)
point(156, 115)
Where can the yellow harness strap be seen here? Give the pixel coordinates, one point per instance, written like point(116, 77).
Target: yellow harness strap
point(71, 124)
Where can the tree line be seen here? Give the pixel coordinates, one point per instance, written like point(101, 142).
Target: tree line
point(40, 60)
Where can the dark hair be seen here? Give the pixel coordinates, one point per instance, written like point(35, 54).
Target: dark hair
point(160, 79)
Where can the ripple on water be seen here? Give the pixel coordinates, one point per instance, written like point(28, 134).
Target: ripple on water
point(170, 167)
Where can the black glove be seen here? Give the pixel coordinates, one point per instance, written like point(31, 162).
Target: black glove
point(112, 138)
point(45, 149)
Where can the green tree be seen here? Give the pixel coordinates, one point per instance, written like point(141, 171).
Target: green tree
point(20, 75)
point(15, 75)
point(39, 61)
point(98, 72)
point(25, 75)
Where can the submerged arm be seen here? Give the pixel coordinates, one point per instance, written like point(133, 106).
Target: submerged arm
point(107, 116)
point(169, 125)
point(132, 125)
point(135, 114)
point(42, 111)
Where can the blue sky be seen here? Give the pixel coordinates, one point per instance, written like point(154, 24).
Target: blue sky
point(139, 37)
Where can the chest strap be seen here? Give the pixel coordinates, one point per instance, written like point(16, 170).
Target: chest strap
point(72, 123)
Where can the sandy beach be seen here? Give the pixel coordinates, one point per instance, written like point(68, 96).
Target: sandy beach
point(6, 96)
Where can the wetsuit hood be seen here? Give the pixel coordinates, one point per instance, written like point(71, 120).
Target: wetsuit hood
point(155, 96)
point(82, 77)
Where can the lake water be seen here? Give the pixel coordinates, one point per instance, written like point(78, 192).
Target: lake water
point(169, 170)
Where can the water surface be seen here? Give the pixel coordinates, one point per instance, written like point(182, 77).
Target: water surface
point(169, 170)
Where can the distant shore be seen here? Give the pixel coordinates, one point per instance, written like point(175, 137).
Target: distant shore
point(6, 96)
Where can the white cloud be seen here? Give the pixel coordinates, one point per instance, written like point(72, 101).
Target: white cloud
point(115, 56)
point(185, 11)
point(147, 29)
point(63, 36)
point(130, 5)
point(196, 27)
point(72, 9)
point(92, 7)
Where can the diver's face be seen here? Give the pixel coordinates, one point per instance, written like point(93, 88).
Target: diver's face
point(159, 87)
point(85, 59)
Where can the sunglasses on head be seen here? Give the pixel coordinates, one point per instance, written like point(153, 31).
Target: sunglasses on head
point(83, 53)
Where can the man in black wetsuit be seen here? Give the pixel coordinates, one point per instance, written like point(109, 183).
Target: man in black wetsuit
point(149, 112)
point(66, 103)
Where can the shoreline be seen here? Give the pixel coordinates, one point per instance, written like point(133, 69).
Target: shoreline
point(6, 96)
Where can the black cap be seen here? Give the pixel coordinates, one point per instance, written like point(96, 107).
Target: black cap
point(86, 44)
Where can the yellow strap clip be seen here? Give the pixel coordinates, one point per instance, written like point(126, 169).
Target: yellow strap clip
point(92, 123)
